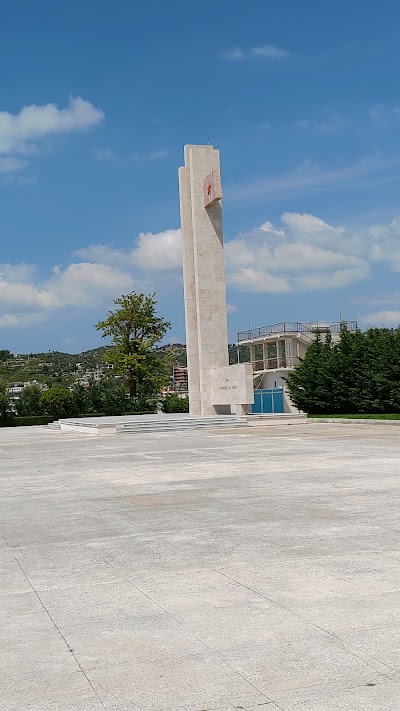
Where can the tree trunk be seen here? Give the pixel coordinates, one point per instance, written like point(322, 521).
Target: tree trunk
point(132, 388)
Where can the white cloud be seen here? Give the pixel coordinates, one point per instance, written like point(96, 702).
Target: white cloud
point(385, 243)
point(103, 254)
point(80, 284)
point(310, 176)
point(161, 251)
point(11, 164)
point(156, 155)
point(103, 154)
point(331, 123)
point(302, 253)
point(17, 179)
point(265, 51)
point(231, 309)
point(252, 279)
point(87, 284)
point(382, 318)
point(21, 320)
point(268, 227)
point(234, 54)
point(34, 122)
point(269, 51)
point(384, 115)
point(17, 131)
point(338, 279)
point(380, 299)
point(27, 295)
point(17, 272)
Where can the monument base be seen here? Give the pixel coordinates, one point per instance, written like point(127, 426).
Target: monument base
point(232, 387)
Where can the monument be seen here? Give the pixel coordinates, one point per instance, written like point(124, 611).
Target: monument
point(214, 386)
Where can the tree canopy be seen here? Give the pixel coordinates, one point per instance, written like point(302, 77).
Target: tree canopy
point(358, 374)
point(135, 330)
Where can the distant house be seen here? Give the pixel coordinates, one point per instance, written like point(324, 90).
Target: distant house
point(96, 374)
point(15, 390)
point(180, 377)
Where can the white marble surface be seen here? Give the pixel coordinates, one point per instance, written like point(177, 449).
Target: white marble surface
point(200, 571)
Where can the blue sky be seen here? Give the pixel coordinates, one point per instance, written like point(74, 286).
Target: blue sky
point(99, 98)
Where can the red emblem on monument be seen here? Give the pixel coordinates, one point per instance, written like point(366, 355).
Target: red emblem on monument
point(212, 188)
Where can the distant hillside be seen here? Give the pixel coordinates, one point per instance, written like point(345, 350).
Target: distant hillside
point(53, 367)
point(57, 368)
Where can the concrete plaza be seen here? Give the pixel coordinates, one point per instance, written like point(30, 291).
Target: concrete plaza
point(193, 571)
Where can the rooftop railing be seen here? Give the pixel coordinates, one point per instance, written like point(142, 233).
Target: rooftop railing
point(308, 329)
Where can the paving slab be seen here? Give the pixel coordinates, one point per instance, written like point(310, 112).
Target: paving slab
point(382, 696)
point(200, 571)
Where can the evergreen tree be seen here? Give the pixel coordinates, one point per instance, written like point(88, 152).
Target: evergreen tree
point(358, 374)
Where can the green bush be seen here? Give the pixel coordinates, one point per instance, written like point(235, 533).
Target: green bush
point(58, 402)
point(91, 414)
point(29, 420)
point(4, 405)
point(144, 412)
point(173, 403)
point(29, 402)
point(362, 416)
point(7, 421)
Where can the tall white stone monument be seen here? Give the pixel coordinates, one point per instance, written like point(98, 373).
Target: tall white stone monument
point(214, 387)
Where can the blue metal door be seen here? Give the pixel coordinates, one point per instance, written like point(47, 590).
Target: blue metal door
point(278, 399)
point(268, 401)
point(257, 407)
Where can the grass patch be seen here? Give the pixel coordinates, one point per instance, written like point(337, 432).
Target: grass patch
point(380, 416)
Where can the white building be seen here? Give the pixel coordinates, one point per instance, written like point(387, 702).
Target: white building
point(274, 351)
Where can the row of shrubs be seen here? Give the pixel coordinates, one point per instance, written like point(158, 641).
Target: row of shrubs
point(13, 421)
point(35, 407)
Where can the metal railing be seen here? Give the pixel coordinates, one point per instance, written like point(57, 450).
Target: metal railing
point(308, 329)
point(275, 363)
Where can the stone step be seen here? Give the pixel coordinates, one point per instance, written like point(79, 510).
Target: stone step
point(53, 426)
point(263, 420)
point(186, 423)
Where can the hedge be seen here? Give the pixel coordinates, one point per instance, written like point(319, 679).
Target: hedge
point(25, 421)
point(28, 421)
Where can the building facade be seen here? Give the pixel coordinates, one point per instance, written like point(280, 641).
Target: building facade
point(274, 351)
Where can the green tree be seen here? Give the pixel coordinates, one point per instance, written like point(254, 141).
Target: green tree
point(29, 402)
point(309, 383)
point(5, 355)
point(81, 399)
point(358, 374)
point(135, 329)
point(108, 397)
point(58, 402)
point(5, 409)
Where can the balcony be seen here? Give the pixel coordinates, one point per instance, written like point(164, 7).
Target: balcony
point(309, 330)
point(274, 363)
